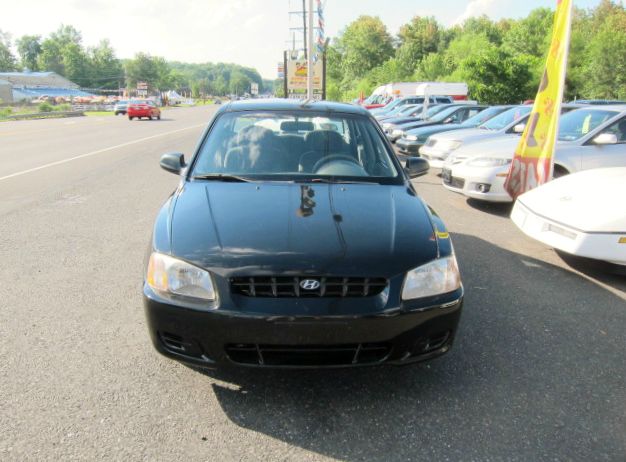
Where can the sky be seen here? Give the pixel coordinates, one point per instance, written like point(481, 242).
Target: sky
point(252, 33)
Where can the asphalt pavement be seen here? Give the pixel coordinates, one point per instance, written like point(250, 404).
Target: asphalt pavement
point(537, 371)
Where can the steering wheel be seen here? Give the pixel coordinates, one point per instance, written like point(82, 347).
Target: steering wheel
point(332, 157)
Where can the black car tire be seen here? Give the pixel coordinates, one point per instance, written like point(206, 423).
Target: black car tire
point(130, 118)
point(159, 117)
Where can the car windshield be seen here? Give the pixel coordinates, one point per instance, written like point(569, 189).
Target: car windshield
point(292, 146)
point(444, 114)
point(506, 118)
point(576, 124)
point(482, 116)
point(432, 111)
point(410, 109)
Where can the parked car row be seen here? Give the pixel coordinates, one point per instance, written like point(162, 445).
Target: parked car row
point(577, 214)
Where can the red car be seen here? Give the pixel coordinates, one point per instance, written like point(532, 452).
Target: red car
point(143, 108)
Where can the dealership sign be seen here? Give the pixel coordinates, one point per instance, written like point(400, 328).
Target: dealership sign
point(297, 75)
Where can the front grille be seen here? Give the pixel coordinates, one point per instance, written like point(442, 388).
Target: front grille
point(277, 287)
point(457, 183)
point(308, 355)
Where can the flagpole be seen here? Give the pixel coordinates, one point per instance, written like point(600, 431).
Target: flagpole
point(309, 70)
point(568, 32)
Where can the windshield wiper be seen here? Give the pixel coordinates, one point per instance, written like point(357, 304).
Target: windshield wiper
point(336, 181)
point(222, 177)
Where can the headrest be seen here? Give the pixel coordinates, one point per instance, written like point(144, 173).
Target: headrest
point(253, 134)
point(325, 141)
point(293, 126)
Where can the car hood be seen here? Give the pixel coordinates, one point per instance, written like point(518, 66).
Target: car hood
point(431, 130)
point(502, 146)
point(278, 228)
point(467, 134)
point(589, 201)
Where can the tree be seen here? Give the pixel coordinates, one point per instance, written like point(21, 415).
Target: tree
point(418, 38)
point(239, 83)
point(482, 25)
point(29, 49)
point(531, 35)
point(364, 44)
point(496, 77)
point(7, 60)
point(106, 69)
point(142, 68)
point(605, 71)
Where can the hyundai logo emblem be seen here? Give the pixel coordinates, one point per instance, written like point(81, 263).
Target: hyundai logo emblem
point(309, 284)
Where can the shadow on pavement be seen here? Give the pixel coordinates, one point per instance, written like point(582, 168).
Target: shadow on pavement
point(537, 373)
point(608, 273)
point(501, 209)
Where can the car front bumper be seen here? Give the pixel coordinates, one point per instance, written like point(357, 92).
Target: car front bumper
point(435, 157)
point(477, 183)
point(409, 147)
point(222, 337)
point(597, 245)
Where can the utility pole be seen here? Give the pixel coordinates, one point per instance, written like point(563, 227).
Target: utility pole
point(309, 71)
point(304, 28)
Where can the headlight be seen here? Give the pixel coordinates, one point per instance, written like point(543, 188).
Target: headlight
point(488, 162)
point(411, 138)
point(448, 145)
point(437, 277)
point(170, 276)
point(397, 132)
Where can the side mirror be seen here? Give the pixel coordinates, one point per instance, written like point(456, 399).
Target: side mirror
point(173, 162)
point(519, 128)
point(416, 166)
point(605, 138)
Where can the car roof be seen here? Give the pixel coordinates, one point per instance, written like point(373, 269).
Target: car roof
point(280, 104)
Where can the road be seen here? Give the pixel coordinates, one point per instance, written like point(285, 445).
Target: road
point(537, 372)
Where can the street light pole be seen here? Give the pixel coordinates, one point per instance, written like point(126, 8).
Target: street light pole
point(309, 71)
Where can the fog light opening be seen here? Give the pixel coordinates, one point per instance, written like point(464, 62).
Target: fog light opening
point(483, 187)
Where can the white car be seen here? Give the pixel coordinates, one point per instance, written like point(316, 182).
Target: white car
point(580, 214)
point(512, 122)
point(592, 137)
point(438, 147)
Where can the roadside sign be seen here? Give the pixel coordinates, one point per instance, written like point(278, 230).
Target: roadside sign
point(254, 88)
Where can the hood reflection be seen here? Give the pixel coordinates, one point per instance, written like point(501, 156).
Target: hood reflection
point(307, 204)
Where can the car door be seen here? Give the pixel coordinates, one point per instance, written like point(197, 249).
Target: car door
point(607, 155)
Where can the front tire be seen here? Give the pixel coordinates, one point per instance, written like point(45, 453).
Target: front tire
point(130, 118)
point(559, 172)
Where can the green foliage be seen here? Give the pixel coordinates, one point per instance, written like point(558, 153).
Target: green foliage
point(418, 38)
point(7, 60)
point(605, 74)
point(29, 49)
point(61, 107)
point(502, 61)
point(495, 77)
point(364, 44)
point(45, 107)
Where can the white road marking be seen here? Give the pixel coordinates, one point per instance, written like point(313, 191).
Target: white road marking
point(93, 153)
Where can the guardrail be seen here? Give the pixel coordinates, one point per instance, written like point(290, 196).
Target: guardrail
point(45, 115)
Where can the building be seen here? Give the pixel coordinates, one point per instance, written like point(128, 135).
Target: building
point(6, 94)
point(31, 85)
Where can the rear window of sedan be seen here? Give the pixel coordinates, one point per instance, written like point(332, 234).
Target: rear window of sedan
point(295, 144)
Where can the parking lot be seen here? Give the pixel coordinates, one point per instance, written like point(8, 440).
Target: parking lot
point(537, 371)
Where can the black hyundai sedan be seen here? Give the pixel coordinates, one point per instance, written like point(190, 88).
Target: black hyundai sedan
point(296, 239)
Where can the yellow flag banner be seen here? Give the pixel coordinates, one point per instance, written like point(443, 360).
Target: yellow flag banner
point(532, 163)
